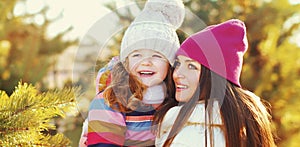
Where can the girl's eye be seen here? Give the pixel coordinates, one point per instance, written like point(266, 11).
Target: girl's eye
point(191, 66)
point(136, 55)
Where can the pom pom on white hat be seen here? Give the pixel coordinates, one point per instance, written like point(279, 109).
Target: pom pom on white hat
point(155, 28)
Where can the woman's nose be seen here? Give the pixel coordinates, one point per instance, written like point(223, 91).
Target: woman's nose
point(178, 73)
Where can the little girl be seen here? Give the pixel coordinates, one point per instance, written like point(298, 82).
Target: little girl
point(122, 114)
point(213, 108)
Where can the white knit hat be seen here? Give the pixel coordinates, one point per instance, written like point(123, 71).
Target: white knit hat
point(155, 28)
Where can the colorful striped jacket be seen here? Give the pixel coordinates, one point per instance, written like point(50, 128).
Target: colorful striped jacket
point(107, 127)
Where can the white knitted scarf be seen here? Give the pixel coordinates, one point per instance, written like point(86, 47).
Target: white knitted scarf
point(155, 94)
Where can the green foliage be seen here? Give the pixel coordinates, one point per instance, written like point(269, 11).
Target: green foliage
point(25, 116)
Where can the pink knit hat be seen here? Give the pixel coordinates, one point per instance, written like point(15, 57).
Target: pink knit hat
point(220, 48)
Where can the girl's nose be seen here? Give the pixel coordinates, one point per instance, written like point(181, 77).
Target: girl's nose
point(146, 61)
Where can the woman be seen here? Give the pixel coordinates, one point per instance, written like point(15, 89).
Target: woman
point(213, 108)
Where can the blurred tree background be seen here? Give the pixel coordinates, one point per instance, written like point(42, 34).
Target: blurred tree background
point(28, 116)
point(271, 64)
point(26, 51)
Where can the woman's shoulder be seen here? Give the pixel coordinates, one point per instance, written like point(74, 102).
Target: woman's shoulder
point(198, 115)
point(173, 111)
point(171, 115)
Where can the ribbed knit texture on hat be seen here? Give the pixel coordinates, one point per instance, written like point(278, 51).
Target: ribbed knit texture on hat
point(220, 48)
point(155, 28)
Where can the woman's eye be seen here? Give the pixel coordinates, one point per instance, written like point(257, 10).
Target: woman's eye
point(176, 64)
point(191, 66)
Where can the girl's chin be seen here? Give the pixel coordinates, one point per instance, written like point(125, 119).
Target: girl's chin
point(150, 83)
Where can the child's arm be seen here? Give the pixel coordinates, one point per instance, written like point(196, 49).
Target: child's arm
point(106, 127)
point(83, 137)
point(102, 81)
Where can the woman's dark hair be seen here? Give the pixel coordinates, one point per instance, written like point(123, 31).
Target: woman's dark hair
point(246, 121)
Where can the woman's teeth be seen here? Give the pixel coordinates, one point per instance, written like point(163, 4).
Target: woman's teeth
point(181, 86)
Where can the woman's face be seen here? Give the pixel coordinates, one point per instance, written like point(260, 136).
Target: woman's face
point(149, 66)
point(186, 77)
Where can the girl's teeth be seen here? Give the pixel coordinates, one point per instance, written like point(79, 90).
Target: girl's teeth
point(146, 72)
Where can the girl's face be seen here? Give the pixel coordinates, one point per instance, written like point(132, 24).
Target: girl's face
point(186, 77)
point(149, 66)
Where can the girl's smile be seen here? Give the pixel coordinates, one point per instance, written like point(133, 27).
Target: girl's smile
point(149, 66)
